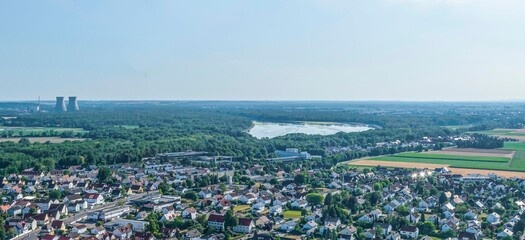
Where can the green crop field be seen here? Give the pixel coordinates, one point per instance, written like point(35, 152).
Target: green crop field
point(517, 146)
point(452, 157)
point(518, 160)
point(490, 163)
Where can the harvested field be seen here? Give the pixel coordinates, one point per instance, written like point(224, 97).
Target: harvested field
point(474, 152)
point(42, 139)
point(462, 171)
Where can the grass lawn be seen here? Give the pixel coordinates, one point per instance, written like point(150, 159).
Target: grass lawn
point(241, 208)
point(490, 163)
point(292, 214)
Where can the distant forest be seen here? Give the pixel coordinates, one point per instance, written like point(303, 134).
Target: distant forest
point(129, 131)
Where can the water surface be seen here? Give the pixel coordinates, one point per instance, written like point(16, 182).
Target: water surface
point(271, 130)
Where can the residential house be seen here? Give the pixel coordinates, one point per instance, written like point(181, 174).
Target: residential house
point(216, 221)
point(409, 232)
point(245, 226)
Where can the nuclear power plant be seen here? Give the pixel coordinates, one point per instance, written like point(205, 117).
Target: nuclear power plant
point(71, 107)
point(61, 105)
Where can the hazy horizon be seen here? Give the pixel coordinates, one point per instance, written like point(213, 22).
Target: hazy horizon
point(370, 50)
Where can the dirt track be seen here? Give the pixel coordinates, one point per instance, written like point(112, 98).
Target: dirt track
point(462, 171)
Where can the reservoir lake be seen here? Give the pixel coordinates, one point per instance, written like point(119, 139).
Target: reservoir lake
point(271, 130)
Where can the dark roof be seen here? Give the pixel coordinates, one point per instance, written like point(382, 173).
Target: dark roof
point(57, 224)
point(467, 235)
point(143, 236)
point(408, 229)
point(245, 221)
point(40, 217)
point(216, 218)
point(74, 197)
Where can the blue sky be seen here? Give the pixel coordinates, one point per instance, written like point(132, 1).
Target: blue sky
point(263, 50)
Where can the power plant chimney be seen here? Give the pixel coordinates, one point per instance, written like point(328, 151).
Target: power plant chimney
point(61, 105)
point(73, 105)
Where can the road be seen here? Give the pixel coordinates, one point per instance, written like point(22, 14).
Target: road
point(33, 235)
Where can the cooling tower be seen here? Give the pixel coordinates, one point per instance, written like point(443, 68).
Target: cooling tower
point(61, 105)
point(73, 105)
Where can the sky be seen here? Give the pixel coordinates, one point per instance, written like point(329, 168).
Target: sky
point(408, 50)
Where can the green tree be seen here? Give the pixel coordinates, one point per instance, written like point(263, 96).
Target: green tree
point(443, 198)
point(104, 175)
point(375, 198)
point(223, 188)
point(426, 227)
point(328, 199)
point(55, 194)
point(315, 198)
point(191, 195)
point(230, 220)
point(300, 179)
point(24, 141)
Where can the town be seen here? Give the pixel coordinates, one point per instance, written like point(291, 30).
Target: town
point(175, 196)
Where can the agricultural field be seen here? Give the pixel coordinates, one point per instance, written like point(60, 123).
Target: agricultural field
point(42, 139)
point(508, 161)
point(505, 133)
point(517, 146)
point(292, 214)
point(518, 159)
point(473, 152)
point(31, 131)
point(509, 158)
point(456, 161)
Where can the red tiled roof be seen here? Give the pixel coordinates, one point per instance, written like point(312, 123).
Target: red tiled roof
point(216, 218)
point(245, 221)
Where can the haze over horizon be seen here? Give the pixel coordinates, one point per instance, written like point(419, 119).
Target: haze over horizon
point(397, 50)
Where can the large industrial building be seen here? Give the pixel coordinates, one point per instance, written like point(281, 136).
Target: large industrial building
point(60, 105)
point(71, 107)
